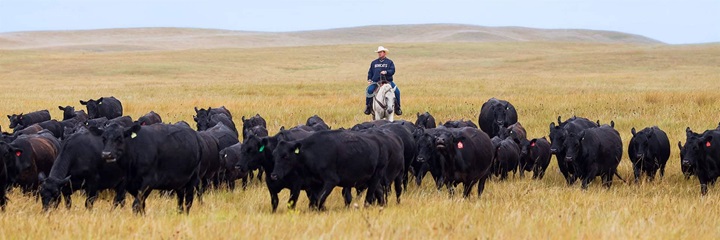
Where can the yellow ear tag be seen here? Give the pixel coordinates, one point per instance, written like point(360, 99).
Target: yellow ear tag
point(297, 151)
point(133, 135)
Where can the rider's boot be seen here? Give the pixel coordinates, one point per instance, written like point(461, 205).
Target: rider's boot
point(368, 106)
point(398, 111)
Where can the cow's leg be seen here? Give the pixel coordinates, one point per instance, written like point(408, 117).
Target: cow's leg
point(294, 195)
point(190, 194)
point(481, 186)
point(662, 170)
point(92, 194)
point(274, 199)
point(590, 176)
point(67, 195)
point(119, 196)
point(636, 172)
point(260, 174)
point(324, 192)
point(398, 188)
point(140, 197)
point(347, 195)
point(467, 188)
point(180, 199)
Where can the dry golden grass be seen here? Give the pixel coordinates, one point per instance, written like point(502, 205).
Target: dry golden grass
point(672, 87)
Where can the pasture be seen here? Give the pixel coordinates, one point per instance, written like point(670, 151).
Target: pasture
point(673, 87)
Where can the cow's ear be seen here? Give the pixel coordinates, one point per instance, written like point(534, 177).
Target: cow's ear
point(196, 110)
point(83, 102)
point(680, 145)
point(296, 147)
point(9, 117)
point(61, 108)
point(552, 126)
point(42, 177)
point(132, 131)
point(100, 99)
point(612, 124)
point(688, 132)
point(633, 131)
point(532, 142)
point(243, 118)
point(597, 122)
point(559, 120)
point(282, 128)
point(418, 114)
point(95, 131)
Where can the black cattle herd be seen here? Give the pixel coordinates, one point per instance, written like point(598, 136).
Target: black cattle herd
point(101, 149)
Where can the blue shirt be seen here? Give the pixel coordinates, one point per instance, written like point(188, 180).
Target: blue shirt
point(379, 65)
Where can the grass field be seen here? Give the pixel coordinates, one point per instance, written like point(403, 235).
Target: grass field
point(672, 87)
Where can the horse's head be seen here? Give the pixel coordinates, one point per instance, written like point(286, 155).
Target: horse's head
point(388, 94)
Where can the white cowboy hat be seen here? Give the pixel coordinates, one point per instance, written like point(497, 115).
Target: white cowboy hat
point(382, 49)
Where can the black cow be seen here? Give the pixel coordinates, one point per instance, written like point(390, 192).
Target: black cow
point(467, 155)
point(149, 119)
point(229, 158)
point(70, 113)
point(7, 160)
point(109, 107)
point(506, 157)
point(459, 124)
point(427, 157)
point(557, 138)
point(334, 158)
point(202, 113)
point(317, 123)
point(20, 121)
point(256, 152)
point(425, 120)
point(649, 151)
point(686, 166)
point(702, 156)
point(370, 124)
point(55, 127)
point(249, 123)
point(394, 151)
point(209, 161)
point(515, 131)
point(30, 155)
point(125, 121)
point(595, 151)
point(157, 156)
point(496, 114)
point(96, 122)
point(535, 156)
point(206, 123)
point(258, 131)
point(80, 166)
point(211, 166)
point(32, 129)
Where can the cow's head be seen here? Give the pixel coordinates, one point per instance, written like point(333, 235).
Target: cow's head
point(114, 139)
point(93, 107)
point(50, 189)
point(15, 120)
point(573, 145)
point(68, 112)
point(287, 157)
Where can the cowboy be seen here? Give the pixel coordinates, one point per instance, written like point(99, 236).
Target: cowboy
point(381, 68)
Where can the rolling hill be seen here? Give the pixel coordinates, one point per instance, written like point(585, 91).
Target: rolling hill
point(140, 39)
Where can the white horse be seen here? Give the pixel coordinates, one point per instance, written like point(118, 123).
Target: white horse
point(384, 103)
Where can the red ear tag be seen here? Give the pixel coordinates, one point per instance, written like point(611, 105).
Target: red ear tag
point(460, 145)
point(707, 144)
point(18, 153)
point(532, 144)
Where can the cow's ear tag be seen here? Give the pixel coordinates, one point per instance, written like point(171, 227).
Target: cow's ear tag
point(460, 145)
point(262, 148)
point(532, 144)
point(297, 151)
point(133, 135)
point(707, 144)
point(100, 103)
point(18, 153)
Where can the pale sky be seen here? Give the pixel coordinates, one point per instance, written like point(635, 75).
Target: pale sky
point(676, 21)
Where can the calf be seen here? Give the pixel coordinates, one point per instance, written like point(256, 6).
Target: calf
point(109, 107)
point(70, 113)
point(256, 153)
point(206, 123)
point(594, 151)
point(79, 165)
point(30, 155)
point(506, 156)
point(317, 123)
point(515, 131)
point(157, 156)
point(496, 114)
point(201, 113)
point(467, 155)
point(686, 166)
point(535, 156)
point(702, 155)
point(558, 134)
point(149, 119)
point(249, 123)
point(334, 158)
point(427, 156)
point(20, 121)
point(649, 151)
point(425, 120)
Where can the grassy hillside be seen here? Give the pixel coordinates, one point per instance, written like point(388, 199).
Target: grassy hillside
point(672, 87)
point(139, 39)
